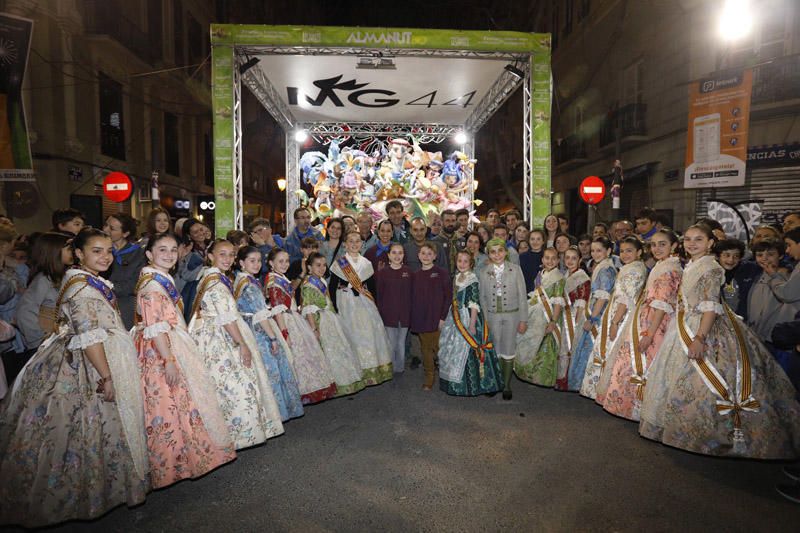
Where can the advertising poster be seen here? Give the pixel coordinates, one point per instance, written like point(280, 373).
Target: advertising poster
point(16, 163)
point(716, 143)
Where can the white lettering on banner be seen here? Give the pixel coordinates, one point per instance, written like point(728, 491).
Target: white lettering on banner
point(117, 187)
point(593, 190)
point(395, 37)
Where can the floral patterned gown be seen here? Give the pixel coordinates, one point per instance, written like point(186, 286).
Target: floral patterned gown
point(244, 393)
point(64, 452)
point(308, 360)
point(186, 433)
point(628, 375)
point(343, 360)
point(460, 372)
point(250, 301)
point(536, 359)
point(360, 318)
point(577, 288)
point(736, 401)
point(603, 276)
point(627, 289)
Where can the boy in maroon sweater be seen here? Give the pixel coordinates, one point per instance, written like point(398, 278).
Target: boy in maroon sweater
point(430, 301)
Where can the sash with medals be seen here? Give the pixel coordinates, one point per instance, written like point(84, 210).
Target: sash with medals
point(91, 281)
point(166, 284)
point(352, 278)
point(274, 280)
point(729, 400)
point(317, 284)
point(570, 323)
point(638, 378)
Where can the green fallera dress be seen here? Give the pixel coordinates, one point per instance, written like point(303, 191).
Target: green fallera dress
point(536, 359)
point(459, 363)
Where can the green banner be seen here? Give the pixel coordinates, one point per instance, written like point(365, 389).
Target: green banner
point(541, 95)
point(316, 36)
point(222, 65)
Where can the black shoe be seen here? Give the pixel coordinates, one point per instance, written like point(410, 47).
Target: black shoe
point(790, 492)
point(415, 362)
point(792, 472)
point(507, 395)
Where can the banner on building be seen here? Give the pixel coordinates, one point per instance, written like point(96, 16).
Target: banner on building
point(16, 163)
point(716, 143)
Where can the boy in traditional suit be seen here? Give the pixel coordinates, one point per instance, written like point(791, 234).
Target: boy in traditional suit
point(505, 302)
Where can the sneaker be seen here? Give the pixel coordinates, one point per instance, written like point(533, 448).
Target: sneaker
point(792, 472)
point(790, 492)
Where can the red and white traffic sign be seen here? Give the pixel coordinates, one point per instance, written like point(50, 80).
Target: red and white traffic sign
point(592, 190)
point(117, 187)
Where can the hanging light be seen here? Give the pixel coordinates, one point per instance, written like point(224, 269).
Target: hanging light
point(460, 138)
point(301, 136)
point(281, 184)
point(474, 185)
point(736, 20)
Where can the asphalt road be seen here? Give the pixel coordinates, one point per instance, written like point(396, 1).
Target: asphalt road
point(395, 458)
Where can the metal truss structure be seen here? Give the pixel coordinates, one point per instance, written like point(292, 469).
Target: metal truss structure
point(361, 132)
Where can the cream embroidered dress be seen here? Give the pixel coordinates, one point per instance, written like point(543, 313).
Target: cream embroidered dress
point(736, 401)
point(577, 288)
point(536, 358)
point(343, 360)
point(65, 453)
point(362, 323)
point(244, 393)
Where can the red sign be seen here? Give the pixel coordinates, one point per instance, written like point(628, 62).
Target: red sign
point(592, 190)
point(117, 187)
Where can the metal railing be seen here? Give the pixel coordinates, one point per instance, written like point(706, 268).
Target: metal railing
point(629, 118)
point(570, 149)
point(777, 81)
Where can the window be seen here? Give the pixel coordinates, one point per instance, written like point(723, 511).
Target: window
point(632, 92)
point(112, 126)
point(177, 24)
point(172, 143)
point(567, 17)
point(584, 6)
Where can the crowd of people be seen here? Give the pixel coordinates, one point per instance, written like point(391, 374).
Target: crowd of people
point(132, 363)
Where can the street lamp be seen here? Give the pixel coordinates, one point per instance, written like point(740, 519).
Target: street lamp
point(281, 184)
point(736, 20)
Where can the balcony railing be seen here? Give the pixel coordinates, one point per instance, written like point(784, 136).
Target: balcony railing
point(571, 148)
point(777, 81)
point(629, 119)
point(103, 18)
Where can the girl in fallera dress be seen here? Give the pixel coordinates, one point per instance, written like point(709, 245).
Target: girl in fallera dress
point(72, 440)
point(310, 365)
point(643, 333)
point(603, 276)
point(577, 288)
point(468, 364)
point(714, 388)
point(628, 288)
point(537, 350)
point(274, 351)
point(318, 311)
point(352, 289)
point(394, 287)
point(230, 353)
point(186, 433)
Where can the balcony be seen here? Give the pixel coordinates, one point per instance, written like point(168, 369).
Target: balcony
point(570, 152)
point(777, 81)
point(630, 119)
point(103, 18)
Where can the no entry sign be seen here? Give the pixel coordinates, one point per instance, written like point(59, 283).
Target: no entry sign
point(592, 190)
point(117, 187)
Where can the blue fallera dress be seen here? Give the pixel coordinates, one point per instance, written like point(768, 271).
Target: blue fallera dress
point(603, 278)
point(253, 307)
